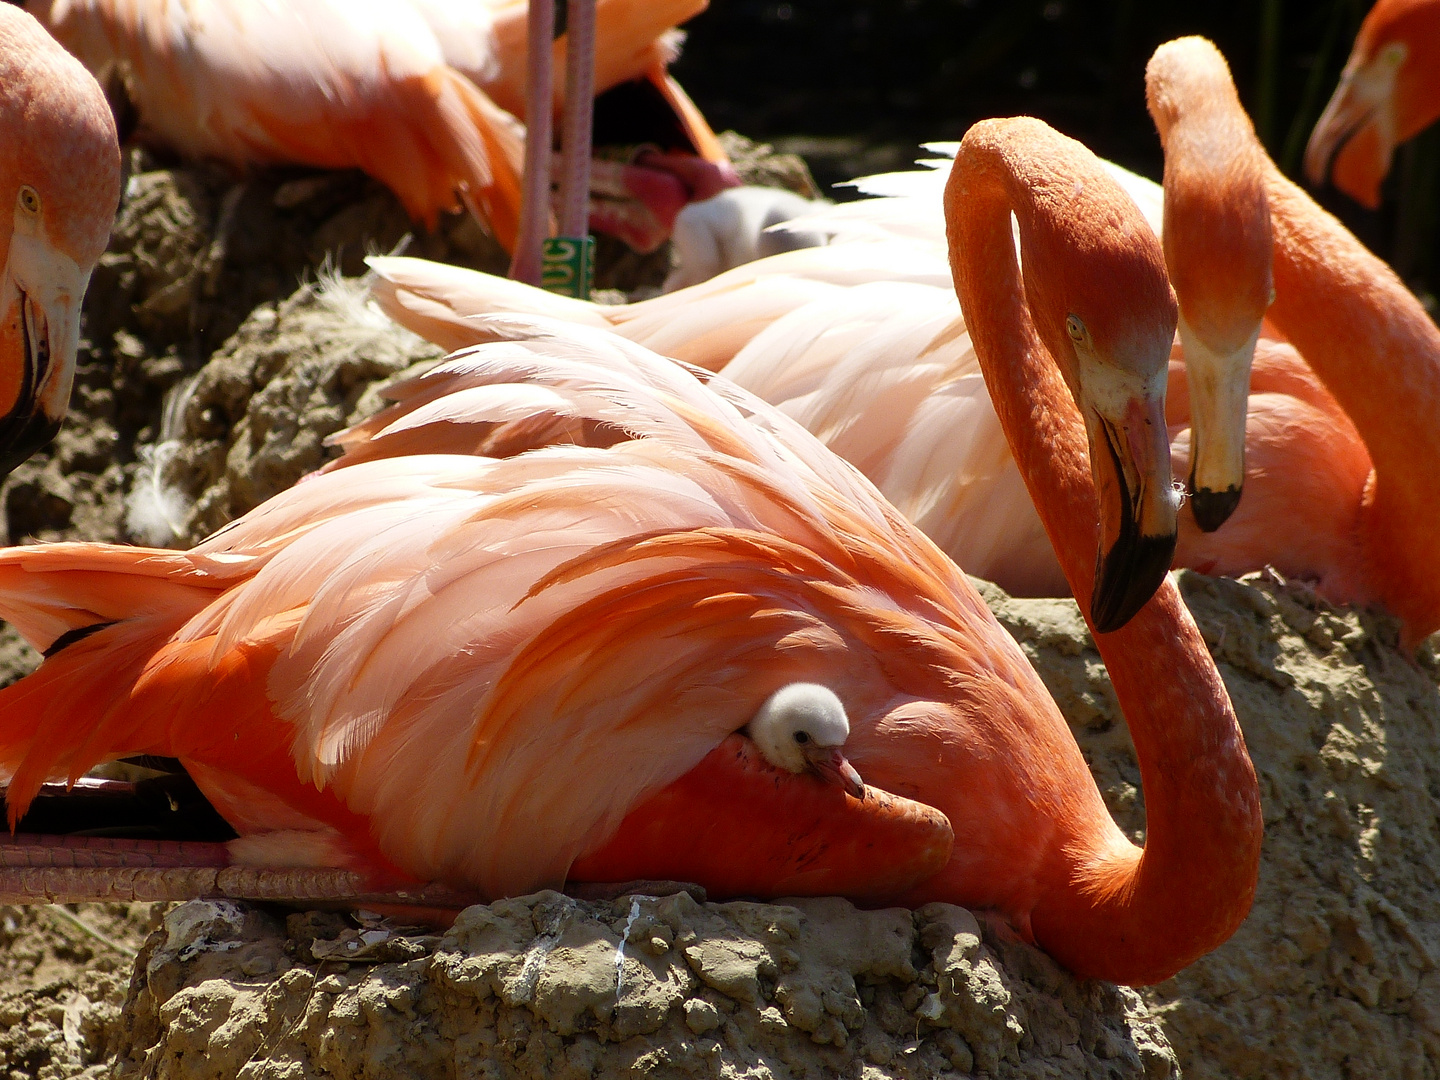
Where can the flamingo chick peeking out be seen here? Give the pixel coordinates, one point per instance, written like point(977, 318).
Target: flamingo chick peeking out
point(1388, 93)
point(60, 183)
point(801, 728)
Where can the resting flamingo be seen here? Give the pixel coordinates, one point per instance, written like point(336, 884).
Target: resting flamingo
point(61, 177)
point(500, 671)
point(1389, 92)
point(353, 83)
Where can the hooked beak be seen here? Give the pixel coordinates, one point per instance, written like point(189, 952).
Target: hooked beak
point(1356, 130)
point(828, 763)
point(1219, 398)
point(42, 329)
point(1130, 460)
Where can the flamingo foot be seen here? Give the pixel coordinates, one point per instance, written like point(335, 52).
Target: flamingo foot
point(742, 827)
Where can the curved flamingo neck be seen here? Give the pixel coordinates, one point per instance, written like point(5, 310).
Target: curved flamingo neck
point(1217, 236)
point(1370, 341)
point(1108, 908)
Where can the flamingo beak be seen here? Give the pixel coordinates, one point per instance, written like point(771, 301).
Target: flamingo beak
point(638, 202)
point(1130, 461)
point(1356, 130)
point(1219, 398)
point(828, 763)
point(40, 335)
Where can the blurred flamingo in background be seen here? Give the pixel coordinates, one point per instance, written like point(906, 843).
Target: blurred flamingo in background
point(1388, 93)
point(366, 84)
point(60, 176)
point(501, 671)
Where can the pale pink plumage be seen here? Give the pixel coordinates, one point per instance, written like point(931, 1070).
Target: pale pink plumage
point(356, 84)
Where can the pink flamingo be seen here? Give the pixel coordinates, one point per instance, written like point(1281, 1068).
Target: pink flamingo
point(364, 84)
point(501, 671)
point(61, 177)
point(1345, 495)
point(1388, 93)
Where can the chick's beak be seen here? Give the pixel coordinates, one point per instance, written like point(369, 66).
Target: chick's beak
point(830, 765)
point(1130, 458)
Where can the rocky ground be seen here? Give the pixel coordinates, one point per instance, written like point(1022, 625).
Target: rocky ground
point(1335, 974)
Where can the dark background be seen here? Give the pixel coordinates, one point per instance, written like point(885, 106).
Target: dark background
point(854, 85)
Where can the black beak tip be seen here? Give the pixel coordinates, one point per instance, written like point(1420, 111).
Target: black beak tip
point(1213, 508)
point(1127, 577)
point(21, 437)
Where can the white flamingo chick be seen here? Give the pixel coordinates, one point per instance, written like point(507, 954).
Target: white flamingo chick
point(801, 727)
point(734, 228)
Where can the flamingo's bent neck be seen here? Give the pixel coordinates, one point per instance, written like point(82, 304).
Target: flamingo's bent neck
point(1378, 352)
point(1358, 327)
point(1109, 906)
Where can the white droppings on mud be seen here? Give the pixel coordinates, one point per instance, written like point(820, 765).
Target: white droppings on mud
point(620, 949)
point(540, 948)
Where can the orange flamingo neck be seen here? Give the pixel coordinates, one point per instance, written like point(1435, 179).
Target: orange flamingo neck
point(1370, 341)
point(1137, 916)
point(1217, 235)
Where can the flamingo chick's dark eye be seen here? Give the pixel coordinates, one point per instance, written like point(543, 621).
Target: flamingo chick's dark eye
point(802, 737)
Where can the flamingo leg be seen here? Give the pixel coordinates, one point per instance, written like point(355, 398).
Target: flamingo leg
point(39, 869)
point(535, 197)
point(578, 118)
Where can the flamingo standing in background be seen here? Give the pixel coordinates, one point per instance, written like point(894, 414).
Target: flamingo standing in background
point(499, 671)
point(635, 43)
point(361, 84)
point(60, 176)
point(1389, 92)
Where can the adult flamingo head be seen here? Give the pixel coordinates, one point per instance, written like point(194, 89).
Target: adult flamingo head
point(1218, 248)
point(59, 186)
point(1388, 92)
point(1105, 311)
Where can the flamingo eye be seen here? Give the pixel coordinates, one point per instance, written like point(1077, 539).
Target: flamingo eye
point(29, 199)
point(802, 737)
point(1076, 329)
